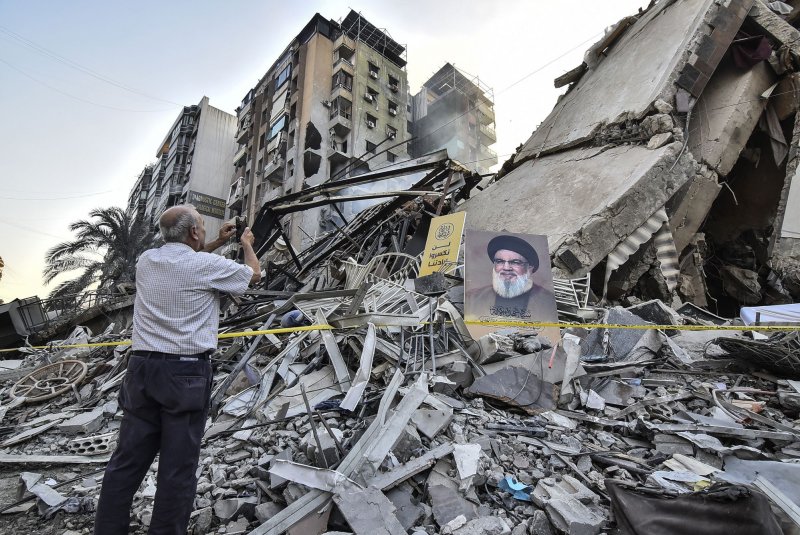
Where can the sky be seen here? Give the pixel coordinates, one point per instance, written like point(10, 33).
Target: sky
point(88, 89)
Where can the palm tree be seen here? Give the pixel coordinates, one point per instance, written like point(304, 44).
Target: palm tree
point(106, 248)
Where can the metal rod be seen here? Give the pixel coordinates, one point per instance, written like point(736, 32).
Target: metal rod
point(313, 427)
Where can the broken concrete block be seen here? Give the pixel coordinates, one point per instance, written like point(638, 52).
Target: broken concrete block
point(741, 284)
point(662, 107)
point(454, 524)
point(407, 510)
point(368, 511)
point(539, 524)
point(485, 525)
point(83, 423)
point(517, 387)
point(570, 516)
point(228, 509)
point(93, 445)
point(329, 455)
point(265, 511)
point(431, 422)
point(448, 503)
point(657, 124)
point(408, 445)
point(591, 400)
point(655, 311)
point(550, 488)
point(659, 140)
point(202, 521)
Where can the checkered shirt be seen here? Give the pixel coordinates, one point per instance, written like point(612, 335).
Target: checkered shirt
point(177, 298)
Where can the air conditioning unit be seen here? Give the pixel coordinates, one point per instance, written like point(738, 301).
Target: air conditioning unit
point(370, 124)
point(326, 103)
point(391, 133)
point(373, 75)
point(393, 111)
point(368, 97)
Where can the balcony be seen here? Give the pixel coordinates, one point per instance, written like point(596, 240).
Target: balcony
point(341, 121)
point(342, 89)
point(488, 133)
point(343, 64)
point(337, 155)
point(240, 157)
point(488, 157)
point(486, 112)
point(274, 170)
point(235, 195)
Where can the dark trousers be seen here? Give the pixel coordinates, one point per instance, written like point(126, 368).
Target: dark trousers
point(165, 405)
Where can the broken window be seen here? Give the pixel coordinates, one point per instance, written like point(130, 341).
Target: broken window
point(277, 126)
point(371, 121)
point(283, 76)
point(391, 132)
point(373, 71)
point(371, 147)
point(342, 79)
point(341, 106)
point(392, 108)
point(371, 95)
point(394, 84)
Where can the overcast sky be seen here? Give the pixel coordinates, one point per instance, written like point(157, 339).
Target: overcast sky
point(89, 88)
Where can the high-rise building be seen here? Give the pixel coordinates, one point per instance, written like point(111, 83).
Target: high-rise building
point(137, 199)
point(192, 166)
point(334, 103)
point(455, 111)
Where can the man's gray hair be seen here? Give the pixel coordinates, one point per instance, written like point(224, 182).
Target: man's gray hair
point(179, 230)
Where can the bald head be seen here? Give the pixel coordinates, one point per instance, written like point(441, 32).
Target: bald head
point(176, 223)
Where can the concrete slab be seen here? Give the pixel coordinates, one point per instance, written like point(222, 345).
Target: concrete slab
point(648, 60)
point(719, 130)
point(585, 200)
point(85, 422)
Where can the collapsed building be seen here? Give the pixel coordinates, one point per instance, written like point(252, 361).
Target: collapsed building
point(374, 392)
point(685, 113)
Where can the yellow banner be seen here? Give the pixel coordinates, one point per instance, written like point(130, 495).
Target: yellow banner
point(444, 241)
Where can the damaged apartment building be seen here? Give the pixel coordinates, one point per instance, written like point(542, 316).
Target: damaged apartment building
point(667, 169)
point(194, 154)
point(333, 104)
point(455, 111)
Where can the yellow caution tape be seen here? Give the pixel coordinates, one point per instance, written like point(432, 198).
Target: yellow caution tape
point(522, 324)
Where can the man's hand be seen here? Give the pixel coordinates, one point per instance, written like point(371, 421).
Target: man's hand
point(228, 229)
point(250, 257)
point(248, 238)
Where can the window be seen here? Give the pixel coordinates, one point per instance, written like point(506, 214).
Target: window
point(261, 141)
point(342, 79)
point(371, 147)
point(283, 76)
point(373, 71)
point(277, 127)
point(390, 156)
point(371, 121)
point(391, 132)
point(371, 95)
point(264, 116)
point(394, 84)
point(392, 108)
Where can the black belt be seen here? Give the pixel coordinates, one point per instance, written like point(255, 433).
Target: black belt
point(171, 356)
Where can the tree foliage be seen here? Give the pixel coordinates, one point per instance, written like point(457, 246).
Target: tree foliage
point(104, 251)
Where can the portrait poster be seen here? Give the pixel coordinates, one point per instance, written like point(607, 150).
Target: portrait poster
point(508, 279)
point(443, 243)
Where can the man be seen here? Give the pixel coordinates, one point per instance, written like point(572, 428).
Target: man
point(513, 292)
point(167, 387)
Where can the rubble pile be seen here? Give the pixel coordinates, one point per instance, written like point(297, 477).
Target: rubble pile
point(505, 435)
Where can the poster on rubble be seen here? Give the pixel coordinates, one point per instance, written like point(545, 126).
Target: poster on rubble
point(443, 244)
point(508, 279)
